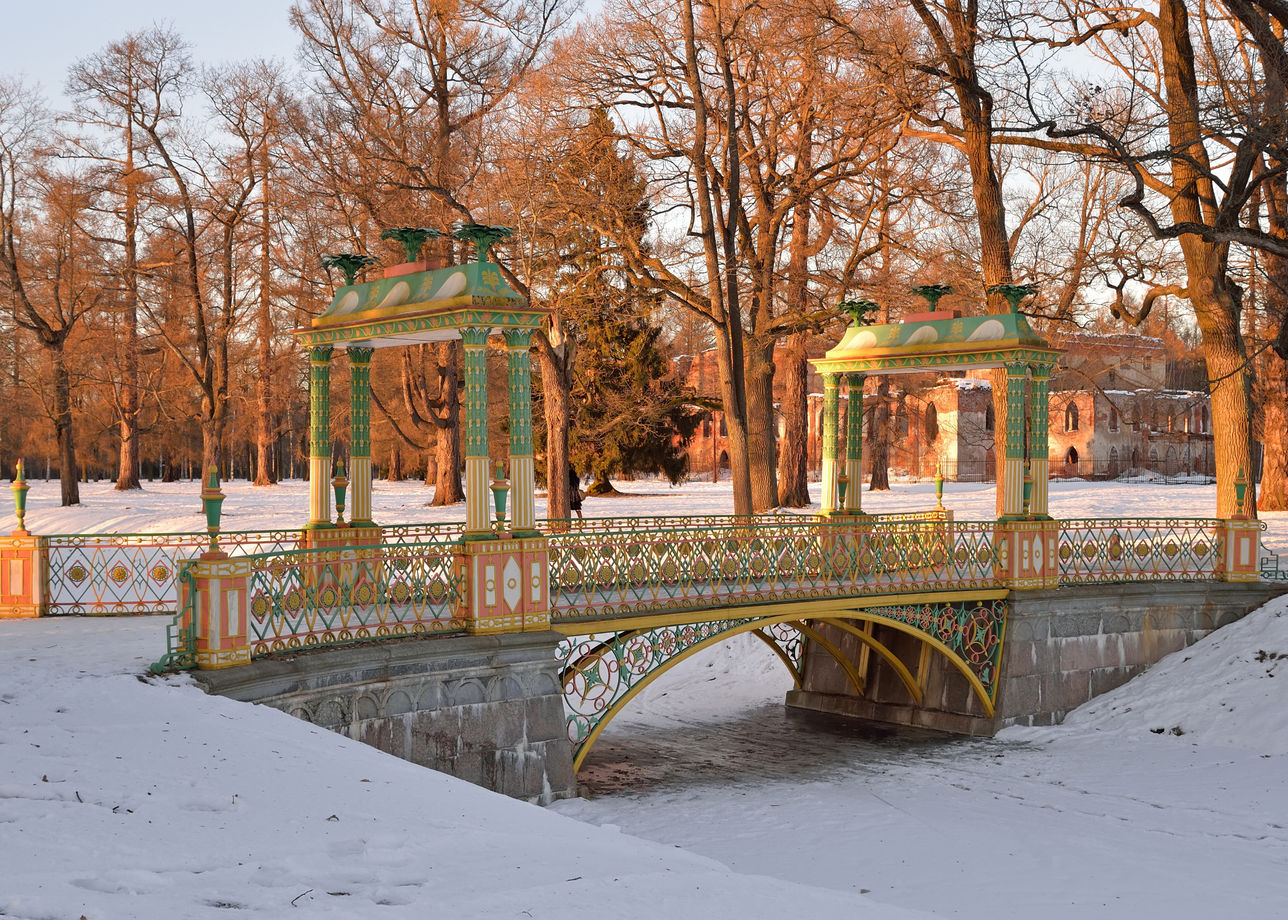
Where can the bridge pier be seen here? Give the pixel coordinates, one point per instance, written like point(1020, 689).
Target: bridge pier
point(1062, 648)
point(487, 709)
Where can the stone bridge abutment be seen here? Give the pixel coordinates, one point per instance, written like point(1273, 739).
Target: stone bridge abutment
point(488, 709)
point(1062, 648)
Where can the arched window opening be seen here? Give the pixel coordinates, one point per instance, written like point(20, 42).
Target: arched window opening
point(988, 419)
point(1071, 457)
point(1112, 470)
point(1071, 417)
point(1113, 419)
point(930, 423)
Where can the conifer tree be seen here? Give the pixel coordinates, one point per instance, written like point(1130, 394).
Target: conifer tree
point(631, 413)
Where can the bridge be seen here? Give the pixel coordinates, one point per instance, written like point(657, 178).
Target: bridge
point(499, 649)
point(919, 601)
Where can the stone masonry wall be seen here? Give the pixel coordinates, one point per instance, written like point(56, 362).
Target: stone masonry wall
point(1061, 649)
point(487, 709)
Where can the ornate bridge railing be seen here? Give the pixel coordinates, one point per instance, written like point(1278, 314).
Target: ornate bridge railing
point(603, 574)
point(690, 521)
point(136, 572)
point(1139, 549)
point(307, 598)
point(1273, 567)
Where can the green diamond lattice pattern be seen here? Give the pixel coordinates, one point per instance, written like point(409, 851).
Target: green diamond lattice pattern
point(602, 574)
point(1094, 551)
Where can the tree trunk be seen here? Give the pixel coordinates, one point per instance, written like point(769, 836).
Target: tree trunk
point(762, 430)
point(209, 440)
point(879, 437)
point(266, 468)
point(793, 455)
point(431, 464)
point(63, 433)
point(447, 453)
point(720, 255)
point(554, 357)
point(975, 107)
point(1273, 493)
point(127, 476)
point(395, 471)
point(1216, 300)
point(995, 257)
point(1231, 400)
point(733, 403)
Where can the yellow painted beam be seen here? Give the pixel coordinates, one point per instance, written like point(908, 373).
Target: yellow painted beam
point(910, 683)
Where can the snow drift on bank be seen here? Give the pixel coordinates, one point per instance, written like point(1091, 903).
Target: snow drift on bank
point(1229, 688)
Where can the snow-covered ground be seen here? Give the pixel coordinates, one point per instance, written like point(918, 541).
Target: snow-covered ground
point(126, 798)
point(169, 507)
point(1167, 798)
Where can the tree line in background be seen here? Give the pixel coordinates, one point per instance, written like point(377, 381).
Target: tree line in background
point(680, 176)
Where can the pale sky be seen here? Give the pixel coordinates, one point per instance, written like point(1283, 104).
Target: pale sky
point(42, 39)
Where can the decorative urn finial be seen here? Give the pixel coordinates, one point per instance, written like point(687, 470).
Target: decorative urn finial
point(482, 236)
point(350, 263)
point(410, 238)
point(1014, 293)
point(862, 311)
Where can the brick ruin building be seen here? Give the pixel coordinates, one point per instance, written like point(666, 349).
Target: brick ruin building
point(1112, 413)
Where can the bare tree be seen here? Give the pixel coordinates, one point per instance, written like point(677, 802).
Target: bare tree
point(47, 264)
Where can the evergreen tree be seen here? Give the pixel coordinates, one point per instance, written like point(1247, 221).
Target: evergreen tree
point(627, 411)
point(631, 413)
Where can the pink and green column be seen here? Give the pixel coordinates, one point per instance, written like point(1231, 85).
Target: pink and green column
point(360, 436)
point(831, 501)
point(320, 461)
point(319, 437)
point(522, 463)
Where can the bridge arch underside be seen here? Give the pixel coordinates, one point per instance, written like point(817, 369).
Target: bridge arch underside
point(892, 650)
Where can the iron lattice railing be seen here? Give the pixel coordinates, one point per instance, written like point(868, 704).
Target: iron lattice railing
point(1273, 567)
point(1139, 549)
point(690, 521)
point(614, 573)
point(315, 597)
point(115, 573)
point(180, 633)
point(599, 671)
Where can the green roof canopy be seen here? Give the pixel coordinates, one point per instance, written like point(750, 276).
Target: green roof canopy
point(421, 307)
point(950, 343)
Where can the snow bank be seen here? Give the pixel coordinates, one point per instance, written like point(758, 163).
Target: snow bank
point(126, 798)
point(1230, 688)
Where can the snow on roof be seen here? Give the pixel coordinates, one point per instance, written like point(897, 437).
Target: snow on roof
point(1122, 339)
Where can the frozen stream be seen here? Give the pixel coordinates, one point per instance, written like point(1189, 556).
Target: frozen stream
point(769, 742)
point(1118, 817)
